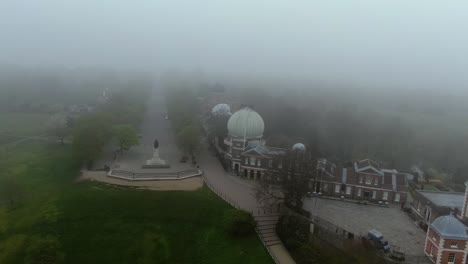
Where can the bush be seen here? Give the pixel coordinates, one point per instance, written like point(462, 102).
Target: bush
point(238, 223)
point(293, 231)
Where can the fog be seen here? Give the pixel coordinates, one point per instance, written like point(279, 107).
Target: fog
point(406, 44)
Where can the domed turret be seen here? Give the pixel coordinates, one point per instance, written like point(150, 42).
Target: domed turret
point(246, 123)
point(221, 110)
point(299, 147)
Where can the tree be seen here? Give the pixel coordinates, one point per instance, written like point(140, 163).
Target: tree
point(89, 137)
point(126, 136)
point(58, 127)
point(238, 223)
point(295, 175)
point(189, 138)
point(290, 184)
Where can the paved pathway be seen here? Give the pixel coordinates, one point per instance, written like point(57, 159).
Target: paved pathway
point(241, 194)
point(154, 126)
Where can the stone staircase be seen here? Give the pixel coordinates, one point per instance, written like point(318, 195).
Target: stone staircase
point(266, 229)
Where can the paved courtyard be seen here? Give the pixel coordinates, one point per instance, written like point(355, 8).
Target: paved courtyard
point(397, 228)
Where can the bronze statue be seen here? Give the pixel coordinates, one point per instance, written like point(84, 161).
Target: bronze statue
point(156, 144)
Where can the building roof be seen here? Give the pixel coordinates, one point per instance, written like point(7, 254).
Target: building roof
point(450, 227)
point(299, 147)
point(258, 148)
point(326, 166)
point(367, 166)
point(444, 199)
point(246, 123)
point(221, 110)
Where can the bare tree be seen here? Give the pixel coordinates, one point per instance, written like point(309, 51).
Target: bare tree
point(290, 184)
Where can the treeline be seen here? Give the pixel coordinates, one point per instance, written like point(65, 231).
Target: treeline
point(117, 119)
point(352, 127)
point(52, 90)
point(183, 110)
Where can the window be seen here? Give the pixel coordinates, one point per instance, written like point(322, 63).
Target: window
point(374, 194)
point(385, 196)
point(376, 181)
point(361, 179)
point(368, 180)
point(252, 160)
point(325, 187)
point(454, 245)
point(259, 162)
point(280, 164)
point(359, 192)
point(337, 188)
point(397, 197)
point(270, 163)
point(431, 253)
point(451, 258)
point(246, 160)
point(348, 190)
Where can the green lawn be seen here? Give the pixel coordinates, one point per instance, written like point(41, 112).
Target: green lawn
point(23, 124)
point(96, 223)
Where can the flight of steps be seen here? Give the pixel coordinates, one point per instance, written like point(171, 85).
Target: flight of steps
point(266, 228)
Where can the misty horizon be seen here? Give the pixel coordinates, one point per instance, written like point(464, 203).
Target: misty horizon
point(398, 44)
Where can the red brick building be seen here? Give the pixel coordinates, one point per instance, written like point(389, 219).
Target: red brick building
point(364, 180)
point(447, 241)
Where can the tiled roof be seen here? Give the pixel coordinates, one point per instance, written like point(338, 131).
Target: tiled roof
point(450, 227)
point(444, 199)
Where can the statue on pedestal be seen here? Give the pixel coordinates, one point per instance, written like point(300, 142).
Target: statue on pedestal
point(155, 160)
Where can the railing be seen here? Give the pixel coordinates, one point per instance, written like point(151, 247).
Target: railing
point(136, 176)
point(235, 205)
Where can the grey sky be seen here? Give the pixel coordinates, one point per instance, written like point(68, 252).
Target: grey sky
point(402, 43)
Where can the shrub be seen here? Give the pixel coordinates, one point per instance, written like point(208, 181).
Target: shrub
point(238, 223)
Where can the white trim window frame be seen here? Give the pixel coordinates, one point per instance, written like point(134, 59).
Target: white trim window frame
point(385, 196)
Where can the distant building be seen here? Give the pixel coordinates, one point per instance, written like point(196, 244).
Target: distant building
point(246, 154)
point(429, 205)
point(363, 180)
point(447, 235)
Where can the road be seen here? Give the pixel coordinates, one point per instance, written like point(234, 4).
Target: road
point(155, 126)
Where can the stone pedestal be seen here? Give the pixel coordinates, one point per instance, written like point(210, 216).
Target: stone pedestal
point(156, 161)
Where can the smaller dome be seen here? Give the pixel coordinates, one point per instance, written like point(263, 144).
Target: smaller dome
point(450, 227)
point(299, 147)
point(221, 110)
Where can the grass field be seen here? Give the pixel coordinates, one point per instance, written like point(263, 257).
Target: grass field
point(23, 124)
point(95, 223)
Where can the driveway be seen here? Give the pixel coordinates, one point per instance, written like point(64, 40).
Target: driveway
point(398, 229)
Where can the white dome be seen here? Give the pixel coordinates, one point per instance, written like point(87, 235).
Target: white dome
point(221, 110)
point(246, 123)
point(299, 147)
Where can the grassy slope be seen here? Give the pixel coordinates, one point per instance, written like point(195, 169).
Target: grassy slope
point(96, 223)
point(23, 124)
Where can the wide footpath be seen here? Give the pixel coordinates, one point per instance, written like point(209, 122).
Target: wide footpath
point(241, 193)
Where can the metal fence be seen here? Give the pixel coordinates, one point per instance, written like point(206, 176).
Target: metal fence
point(235, 205)
point(138, 176)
